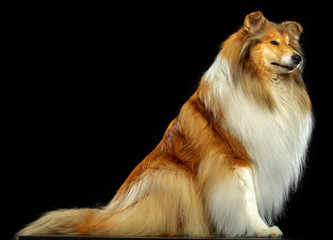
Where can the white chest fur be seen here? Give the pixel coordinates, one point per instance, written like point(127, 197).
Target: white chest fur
point(275, 140)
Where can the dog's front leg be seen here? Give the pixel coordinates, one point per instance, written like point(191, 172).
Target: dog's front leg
point(233, 207)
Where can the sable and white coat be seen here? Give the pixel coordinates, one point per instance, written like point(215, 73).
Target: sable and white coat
point(227, 163)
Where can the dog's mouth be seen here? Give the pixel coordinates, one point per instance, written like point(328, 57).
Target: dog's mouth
point(289, 68)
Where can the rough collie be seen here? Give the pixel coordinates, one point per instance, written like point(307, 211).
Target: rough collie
point(228, 161)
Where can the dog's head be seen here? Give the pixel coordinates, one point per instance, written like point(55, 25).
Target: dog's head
point(270, 46)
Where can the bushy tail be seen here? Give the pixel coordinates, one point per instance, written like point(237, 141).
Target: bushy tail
point(167, 204)
point(64, 221)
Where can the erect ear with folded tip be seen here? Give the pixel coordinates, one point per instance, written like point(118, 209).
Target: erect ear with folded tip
point(253, 22)
point(293, 28)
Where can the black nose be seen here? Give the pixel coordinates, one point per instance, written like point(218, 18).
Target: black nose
point(296, 58)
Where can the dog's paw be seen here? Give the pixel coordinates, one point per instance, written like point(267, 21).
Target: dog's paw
point(273, 232)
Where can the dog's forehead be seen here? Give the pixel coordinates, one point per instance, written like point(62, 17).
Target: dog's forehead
point(277, 33)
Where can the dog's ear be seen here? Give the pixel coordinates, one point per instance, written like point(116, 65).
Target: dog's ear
point(293, 28)
point(253, 22)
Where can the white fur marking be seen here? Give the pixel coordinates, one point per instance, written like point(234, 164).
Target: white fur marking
point(250, 202)
point(286, 60)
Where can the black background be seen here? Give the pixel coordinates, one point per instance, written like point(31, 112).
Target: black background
point(90, 88)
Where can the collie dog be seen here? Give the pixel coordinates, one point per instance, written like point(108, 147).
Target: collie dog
point(228, 161)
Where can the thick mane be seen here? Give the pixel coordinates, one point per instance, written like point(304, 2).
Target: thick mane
point(271, 117)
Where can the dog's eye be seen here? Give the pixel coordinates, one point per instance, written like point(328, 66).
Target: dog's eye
point(274, 42)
